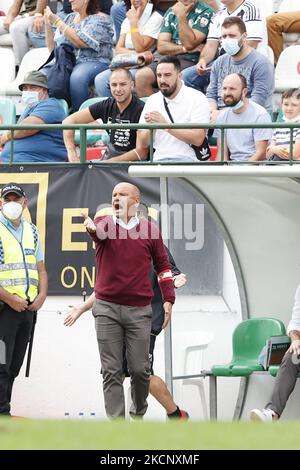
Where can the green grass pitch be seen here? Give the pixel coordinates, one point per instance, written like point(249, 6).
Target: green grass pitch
point(39, 434)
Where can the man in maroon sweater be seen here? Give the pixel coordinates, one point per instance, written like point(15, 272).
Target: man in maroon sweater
point(125, 247)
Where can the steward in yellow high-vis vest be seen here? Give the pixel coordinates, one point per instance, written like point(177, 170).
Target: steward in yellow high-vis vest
point(18, 272)
point(23, 286)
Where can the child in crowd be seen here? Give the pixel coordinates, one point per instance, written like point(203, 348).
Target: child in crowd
point(279, 148)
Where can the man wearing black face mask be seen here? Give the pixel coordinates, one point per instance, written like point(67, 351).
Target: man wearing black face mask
point(23, 286)
point(242, 144)
point(240, 58)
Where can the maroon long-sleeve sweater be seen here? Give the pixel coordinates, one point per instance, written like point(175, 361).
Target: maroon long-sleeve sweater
point(123, 262)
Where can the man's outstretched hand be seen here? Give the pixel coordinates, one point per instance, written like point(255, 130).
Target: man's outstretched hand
point(88, 223)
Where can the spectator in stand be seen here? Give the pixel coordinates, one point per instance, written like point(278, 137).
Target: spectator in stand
point(23, 286)
point(26, 27)
point(91, 35)
point(125, 247)
point(240, 58)
point(288, 372)
point(242, 144)
point(279, 148)
point(183, 33)
point(199, 75)
point(118, 12)
point(279, 23)
point(139, 33)
point(35, 145)
point(122, 108)
point(25, 23)
point(185, 106)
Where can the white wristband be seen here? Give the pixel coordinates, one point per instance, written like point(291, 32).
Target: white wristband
point(139, 158)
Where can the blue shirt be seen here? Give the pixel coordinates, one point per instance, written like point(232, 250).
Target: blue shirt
point(45, 146)
point(18, 233)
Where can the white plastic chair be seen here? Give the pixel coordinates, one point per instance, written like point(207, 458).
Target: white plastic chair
point(5, 5)
point(192, 346)
point(288, 5)
point(287, 72)
point(32, 60)
point(270, 54)
point(6, 41)
point(265, 7)
point(7, 59)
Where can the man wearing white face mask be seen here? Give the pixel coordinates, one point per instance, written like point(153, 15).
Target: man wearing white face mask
point(242, 144)
point(23, 285)
point(257, 37)
point(35, 145)
point(243, 59)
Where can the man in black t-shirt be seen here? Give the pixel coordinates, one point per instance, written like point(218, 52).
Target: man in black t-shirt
point(122, 108)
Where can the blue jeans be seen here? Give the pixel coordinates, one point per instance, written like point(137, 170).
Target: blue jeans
point(118, 15)
point(37, 39)
point(192, 79)
point(102, 82)
point(82, 77)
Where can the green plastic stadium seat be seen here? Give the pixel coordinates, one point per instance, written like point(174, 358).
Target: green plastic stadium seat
point(248, 339)
point(7, 112)
point(273, 370)
point(64, 106)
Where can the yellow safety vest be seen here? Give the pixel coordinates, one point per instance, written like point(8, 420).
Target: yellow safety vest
point(18, 268)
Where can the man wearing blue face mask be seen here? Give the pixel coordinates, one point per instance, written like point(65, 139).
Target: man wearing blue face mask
point(36, 145)
point(241, 144)
point(23, 286)
point(240, 58)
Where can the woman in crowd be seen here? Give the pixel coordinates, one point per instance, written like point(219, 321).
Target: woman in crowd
point(90, 33)
point(139, 33)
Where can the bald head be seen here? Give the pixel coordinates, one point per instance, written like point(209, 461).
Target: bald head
point(236, 79)
point(234, 89)
point(125, 200)
point(128, 188)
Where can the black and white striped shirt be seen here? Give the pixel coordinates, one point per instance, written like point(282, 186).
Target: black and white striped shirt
point(250, 14)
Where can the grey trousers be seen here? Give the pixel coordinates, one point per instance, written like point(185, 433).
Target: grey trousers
point(23, 36)
point(115, 325)
point(284, 383)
